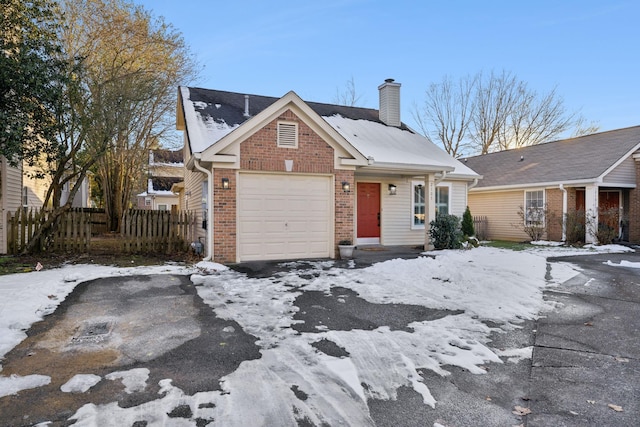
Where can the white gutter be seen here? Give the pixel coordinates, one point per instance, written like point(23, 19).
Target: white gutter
point(564, 212)
point(473, 184)
point(196, 163)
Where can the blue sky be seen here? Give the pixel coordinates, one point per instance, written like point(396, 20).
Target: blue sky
point(588, 50)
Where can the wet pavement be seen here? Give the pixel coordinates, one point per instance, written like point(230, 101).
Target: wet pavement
point(585, 369)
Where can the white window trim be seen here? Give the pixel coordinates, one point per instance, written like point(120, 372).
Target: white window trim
point(159, 207)
point(449, 186)
point(415, 226)
point(287, 142)
point(413, 184)
point(544, 203)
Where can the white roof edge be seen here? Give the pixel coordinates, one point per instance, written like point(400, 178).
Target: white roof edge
point(541, 184)
point(621, 159)
point(409, 167)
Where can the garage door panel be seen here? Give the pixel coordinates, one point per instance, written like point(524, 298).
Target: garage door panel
point(284, 216)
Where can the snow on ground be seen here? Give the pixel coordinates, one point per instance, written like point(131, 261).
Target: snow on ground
point(294, 381)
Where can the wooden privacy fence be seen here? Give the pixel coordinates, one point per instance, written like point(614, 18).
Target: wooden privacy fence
point(157, 231)
point(480, 227)
point(72, 230)
point(142, 231)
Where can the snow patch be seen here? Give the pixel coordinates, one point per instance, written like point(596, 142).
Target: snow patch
point(134, 380)
point(80, 383)
point(15, 383)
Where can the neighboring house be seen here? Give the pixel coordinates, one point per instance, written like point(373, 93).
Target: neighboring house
point(11, 197)
point(591, 175)
point(166, 172)
point(281, 178)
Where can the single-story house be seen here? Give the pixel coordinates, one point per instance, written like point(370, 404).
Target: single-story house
point(281, 178)
point(591, 175)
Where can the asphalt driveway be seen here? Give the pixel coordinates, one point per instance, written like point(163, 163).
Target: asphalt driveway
point(584, 370)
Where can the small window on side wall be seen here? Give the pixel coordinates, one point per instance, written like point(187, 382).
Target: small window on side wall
point(534, 207)
point(418, 206)
point(288, 134)
point(442, 199)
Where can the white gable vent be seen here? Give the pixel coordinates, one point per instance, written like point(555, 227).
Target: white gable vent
point(288, 134)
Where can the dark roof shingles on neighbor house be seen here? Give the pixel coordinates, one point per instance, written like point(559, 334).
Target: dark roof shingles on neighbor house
point(580, 158)
point(229, 107)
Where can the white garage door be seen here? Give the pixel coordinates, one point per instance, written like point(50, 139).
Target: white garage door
point(284, 217)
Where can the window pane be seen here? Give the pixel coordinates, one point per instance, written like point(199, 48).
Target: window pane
point(418, 205)
point(442, 200)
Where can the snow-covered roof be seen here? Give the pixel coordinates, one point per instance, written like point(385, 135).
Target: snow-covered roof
point(204, 130)
point(388, 144)
point(210, 115)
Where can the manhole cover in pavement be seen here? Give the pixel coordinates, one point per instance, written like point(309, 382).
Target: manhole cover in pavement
point(93, 333)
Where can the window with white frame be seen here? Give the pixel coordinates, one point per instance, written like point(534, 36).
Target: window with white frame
point(418, 205)
point(147, 201)
point(442, 199)
point(288, 134)
point(162, 207)
point(534, 207)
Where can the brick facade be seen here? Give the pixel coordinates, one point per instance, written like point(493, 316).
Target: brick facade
point(554, 214)
point(260, 152)
point(224, 216)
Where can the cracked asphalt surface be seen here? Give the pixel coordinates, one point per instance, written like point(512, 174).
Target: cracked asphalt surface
point(586, 355)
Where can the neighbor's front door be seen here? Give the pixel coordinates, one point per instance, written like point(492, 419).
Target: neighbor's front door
point(368, 210)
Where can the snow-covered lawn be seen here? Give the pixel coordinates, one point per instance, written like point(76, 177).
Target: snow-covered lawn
point(293, 380)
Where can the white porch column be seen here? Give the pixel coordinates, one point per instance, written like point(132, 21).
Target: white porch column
point(591, 212)
point(429, 208)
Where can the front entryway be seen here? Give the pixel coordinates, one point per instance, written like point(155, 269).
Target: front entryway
point(284, 216)
point(368, 212)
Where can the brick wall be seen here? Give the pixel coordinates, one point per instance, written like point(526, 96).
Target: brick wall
point(224, 216)
point(554, 217)
point(260, 152)
point(344, 229)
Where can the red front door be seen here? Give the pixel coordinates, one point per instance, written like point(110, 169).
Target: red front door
point(368, 209)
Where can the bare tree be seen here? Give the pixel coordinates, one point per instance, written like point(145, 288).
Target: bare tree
point(486, 113)
point(134, 63)
point(447, 111)
point(348, 96)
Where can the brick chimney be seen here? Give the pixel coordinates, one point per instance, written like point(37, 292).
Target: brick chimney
point(390, 102)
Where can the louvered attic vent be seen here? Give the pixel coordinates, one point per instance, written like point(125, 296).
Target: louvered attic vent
point(288, 134)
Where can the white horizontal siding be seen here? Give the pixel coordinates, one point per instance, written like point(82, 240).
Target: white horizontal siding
point(193, 201)
point(501, 210)
point(458, 198)
point(624, 173)
point(396, 215)
point(10, 197)
point(396, 212)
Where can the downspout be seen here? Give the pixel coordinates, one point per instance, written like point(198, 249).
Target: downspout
point(564, 212)
point(439, 180)
point(473, 184)
point(209, 173)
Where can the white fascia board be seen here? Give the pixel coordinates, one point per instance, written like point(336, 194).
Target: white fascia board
point(224, 158)
point(407, 167)
point(622, 159)
point(577, 183)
